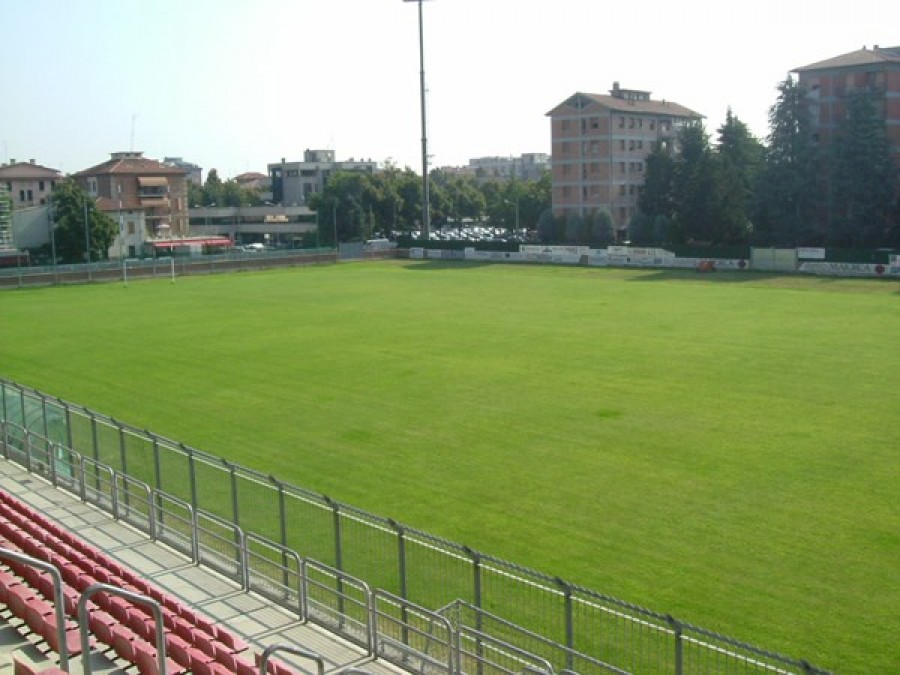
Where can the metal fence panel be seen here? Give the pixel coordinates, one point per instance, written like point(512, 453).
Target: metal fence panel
point(259, 505)
point(337, 601)
point(412, 637)
point(310, 527)
point(370, 549)
point(437, 574)
point(533, 618)
point(273, 571)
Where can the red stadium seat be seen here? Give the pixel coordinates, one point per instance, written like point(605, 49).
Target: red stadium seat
point(122, 643)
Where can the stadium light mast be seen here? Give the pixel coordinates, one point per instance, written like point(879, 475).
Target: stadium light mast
point(426, 216)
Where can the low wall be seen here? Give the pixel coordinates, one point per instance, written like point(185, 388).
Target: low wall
point(623, 256)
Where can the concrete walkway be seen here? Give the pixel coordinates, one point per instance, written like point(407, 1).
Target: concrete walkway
point(253, 618)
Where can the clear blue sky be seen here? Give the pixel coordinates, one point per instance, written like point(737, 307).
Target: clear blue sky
point(236, 84)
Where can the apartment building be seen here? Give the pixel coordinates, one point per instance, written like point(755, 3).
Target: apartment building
point(293, 182)
point(600, 145)
point(874, 71)
point(147, 198)
point(28, 183)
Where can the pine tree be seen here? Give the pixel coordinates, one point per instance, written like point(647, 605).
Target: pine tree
point(787, 190)
point(862, 177)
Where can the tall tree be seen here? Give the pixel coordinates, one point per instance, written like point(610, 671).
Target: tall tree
point(787, 189)
point(79, 225)
point(694, 187)
point(656, 196)
point(740, 155)
point(863, 177)
point(212, 189)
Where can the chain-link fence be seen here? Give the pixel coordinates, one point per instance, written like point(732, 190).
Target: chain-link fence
point(542, 619)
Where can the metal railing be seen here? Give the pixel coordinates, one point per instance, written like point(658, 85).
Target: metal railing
point(569, 626)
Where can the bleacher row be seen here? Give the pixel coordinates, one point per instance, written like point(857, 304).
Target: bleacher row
point(193, 642)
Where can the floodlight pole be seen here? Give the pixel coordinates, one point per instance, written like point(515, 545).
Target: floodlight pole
point(426, 216)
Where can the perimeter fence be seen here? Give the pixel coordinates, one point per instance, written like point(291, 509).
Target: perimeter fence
point(490, 602)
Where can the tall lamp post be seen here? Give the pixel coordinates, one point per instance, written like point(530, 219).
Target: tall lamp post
point(426, 217)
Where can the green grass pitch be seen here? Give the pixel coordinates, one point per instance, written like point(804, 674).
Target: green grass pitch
point(724, 447)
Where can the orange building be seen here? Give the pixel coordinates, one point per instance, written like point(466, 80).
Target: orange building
point(600, 146)
point(147, 198)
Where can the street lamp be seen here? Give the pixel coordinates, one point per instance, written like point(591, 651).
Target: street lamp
point(426, 218)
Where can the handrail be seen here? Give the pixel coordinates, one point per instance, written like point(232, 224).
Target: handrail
point(296, 651)
point(58, 603)
point(128, 595)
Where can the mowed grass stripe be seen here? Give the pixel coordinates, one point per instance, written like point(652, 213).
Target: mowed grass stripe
point(721, 447)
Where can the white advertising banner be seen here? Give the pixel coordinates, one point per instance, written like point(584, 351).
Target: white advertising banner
point(836, 269)
point(809, 253)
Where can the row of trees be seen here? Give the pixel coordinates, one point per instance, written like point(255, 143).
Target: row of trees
point(216, 192)
point(792, 191)
point(359, 205)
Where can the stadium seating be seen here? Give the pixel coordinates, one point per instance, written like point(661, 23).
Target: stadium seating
point(193, 642)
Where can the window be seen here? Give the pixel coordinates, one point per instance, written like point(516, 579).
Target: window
point(130, 227)
point(621, 167)
point(41, 186)
point(621, 122)
point(567, 169)
point(622, 189)
point(595, 123)
point(565, 125)
point(292, 173)
point(595, 147)
point(652, 125)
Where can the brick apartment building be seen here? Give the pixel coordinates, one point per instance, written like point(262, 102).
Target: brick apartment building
point(600, 144)
point(146, 198)
point(874, 71)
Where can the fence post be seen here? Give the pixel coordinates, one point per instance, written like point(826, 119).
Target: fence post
point(282, 523)
point(95, 448)
point(192, 473)
point(235, 508)
point(3, 399)
point(68, 410)
point(26, 438)
point(476, 590)
point(570, 624)
point(44, 415)
point(401, 571)
point(338, 551)
point(679, 645)
point(122, 459)
point(156, 503)
point(401, 555)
